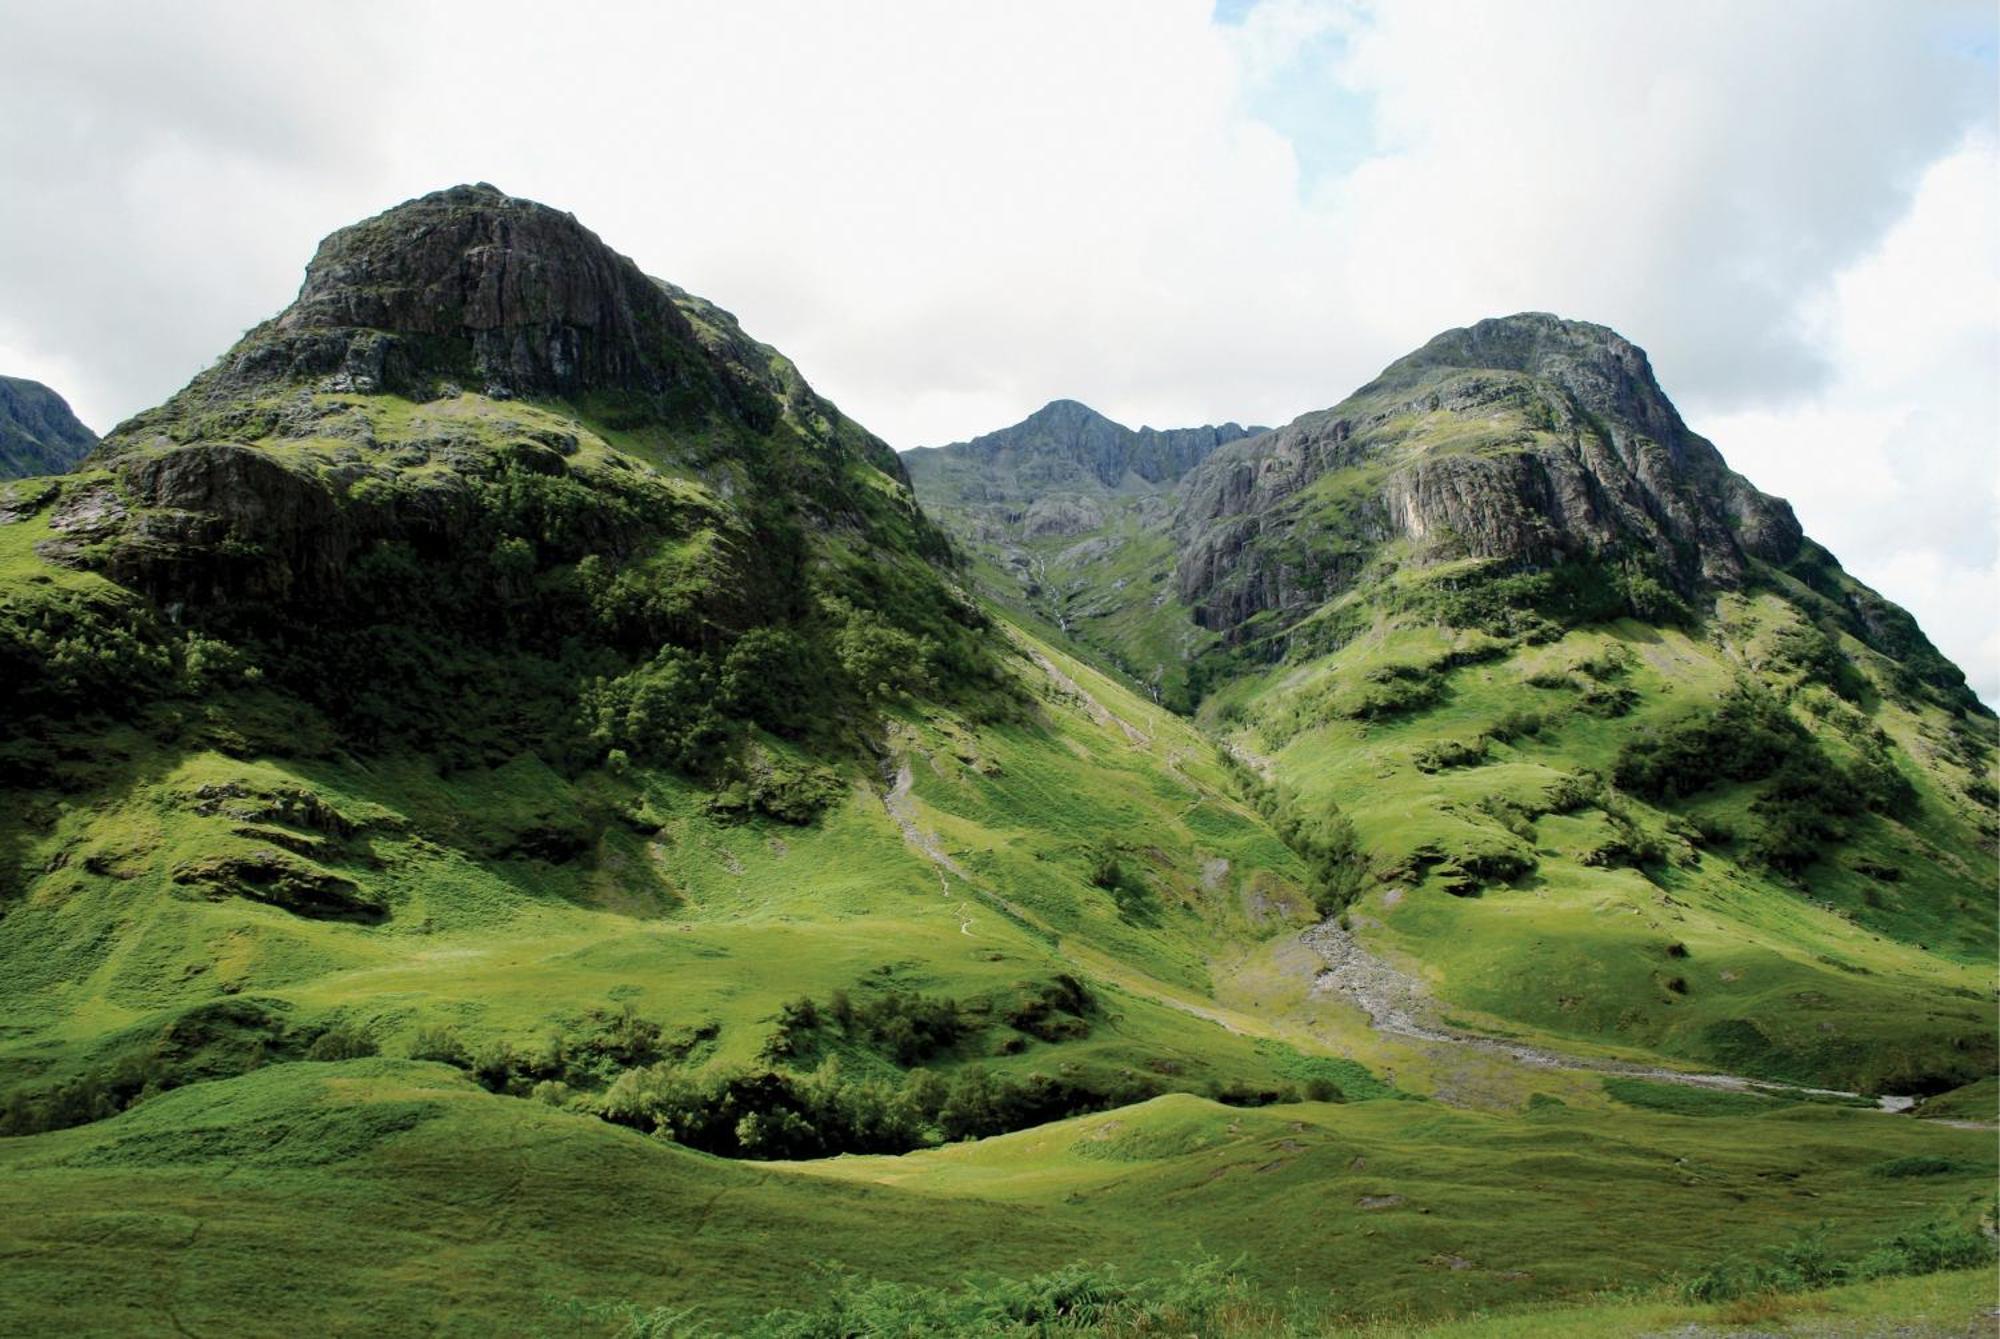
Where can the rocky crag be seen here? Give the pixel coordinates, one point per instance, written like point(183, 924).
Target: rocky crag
point(1500, 638)
point(38, 433)
point(1528, 439)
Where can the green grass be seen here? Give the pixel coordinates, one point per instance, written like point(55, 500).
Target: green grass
point(1695, 953)
point(399, 1198)
point(1958, 1302)
point(443, 1207)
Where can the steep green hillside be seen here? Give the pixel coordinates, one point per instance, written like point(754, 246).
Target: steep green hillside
point(1768, 911)
point(38, 433)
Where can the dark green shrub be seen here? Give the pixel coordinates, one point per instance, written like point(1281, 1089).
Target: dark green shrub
point(1807, 1262)
point(440, 1044)
point(1326, 842)
point(1515, 724)
point(905, 1027)
point(1443, 754)
point(1202, 1300)
point(1058, 1010)
point(1918, 1165)
point(1393, 690)
point(342, 1043)
point(795, 795)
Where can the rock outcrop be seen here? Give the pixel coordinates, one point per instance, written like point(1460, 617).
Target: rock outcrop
point(472, 287)
point(1529, 439)
point(466, 292)
point(38, 433)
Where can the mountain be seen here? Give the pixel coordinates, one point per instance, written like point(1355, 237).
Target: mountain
point(1066, 446)
point(499, 692)
point(1523, 442)
point(1585, 706)
point(483, 449)
point(497, 755)
point(38, 433)
point(1063, 518)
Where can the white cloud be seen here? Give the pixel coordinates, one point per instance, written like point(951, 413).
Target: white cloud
point(1895, 463)
point(950, 214)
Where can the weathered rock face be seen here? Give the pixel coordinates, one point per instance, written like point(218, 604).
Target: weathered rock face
point(1528, 439)
point(463, 290)
point(1061, 515)
point(470, 288)
point(38, 433)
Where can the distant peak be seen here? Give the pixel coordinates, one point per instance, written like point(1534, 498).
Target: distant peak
point(1065, 411)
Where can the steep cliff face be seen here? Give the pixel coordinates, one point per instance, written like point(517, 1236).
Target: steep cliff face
point(1527, 439)
point(472, 287)
point(38, 433)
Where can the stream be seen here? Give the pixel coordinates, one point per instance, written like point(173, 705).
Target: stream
point(1396, 1003)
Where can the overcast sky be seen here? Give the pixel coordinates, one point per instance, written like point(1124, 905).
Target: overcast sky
point(948, 214)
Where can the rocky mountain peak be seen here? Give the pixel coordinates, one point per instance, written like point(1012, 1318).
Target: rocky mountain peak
point(1068, 445)
point(1528, 439)
point(475, 288)
point(1067, 415)
point(1606, 374)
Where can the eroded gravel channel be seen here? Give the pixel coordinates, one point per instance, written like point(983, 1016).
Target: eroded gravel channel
point(1398, 1004)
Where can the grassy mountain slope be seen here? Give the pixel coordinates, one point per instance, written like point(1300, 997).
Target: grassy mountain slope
point(501, 782)
point(577, 725)
point(1497, 835)
point(1628, 761)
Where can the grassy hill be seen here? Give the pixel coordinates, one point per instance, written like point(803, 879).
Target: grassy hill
point(392, 1197)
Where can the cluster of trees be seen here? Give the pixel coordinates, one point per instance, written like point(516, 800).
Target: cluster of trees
point(1749, 736)
point(769, 1113)
point(908, 1027)
point(591, 1053)
point(624, 1069)
point(1325, 840)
